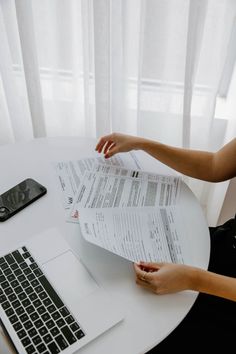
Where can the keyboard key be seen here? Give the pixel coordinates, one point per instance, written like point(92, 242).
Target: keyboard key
point(28, 325)
point(47, 302)
point(54, 331)
point(5, 284)
point(41, 348)
point(17, 272)
point(22, 333)
point(6, 305)
point(45, 317)
point(74, 327)
point(17, 326)
point(18, 257)
point(69, 319)
point(26, 302)
point(50, 324)
point(26, 255)
point(14, 266)
point(33, 296)
point(37, 303)
point(79, 334)
point(11, 276)
point(21, 277)
point(60, 322)
point(34, 316)
point(26, 341)
point(20, 310)
point(53, 348)
point(41, 310)
point(38, 272)
point(47, 338)
point(24, 317)
point(51, 292)
point(68, 334)
point(18, 290)
point(10, 312)
point(56, 315)
point(16, 304)
point(7, 272)
point(61, 342)
point(37, 340)
point(2, 278)
point(29, 309)
point(30, 349)
point(38, 323)
point(2, 298)
point(8, 291)
point(22, 296)
point(31, 277)
point(43, 330)
point(64, 311)
point(9, 259)
point(43, 295)
point(32, 332)
point(12, 297)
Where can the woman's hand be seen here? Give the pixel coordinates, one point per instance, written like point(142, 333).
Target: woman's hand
point(113, 143)
point(164, 278)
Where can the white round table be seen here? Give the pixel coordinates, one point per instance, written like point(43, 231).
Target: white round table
point(148, 318)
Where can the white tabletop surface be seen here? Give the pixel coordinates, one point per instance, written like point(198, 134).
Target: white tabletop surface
point(148, 318)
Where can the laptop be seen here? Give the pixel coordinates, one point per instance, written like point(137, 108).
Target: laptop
point(49, 301)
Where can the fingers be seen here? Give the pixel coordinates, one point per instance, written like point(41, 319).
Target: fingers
point(108, 146)
point(141, 274)
point(149, 266)
point(112, 151)
point(102, 142)
point(145, 284)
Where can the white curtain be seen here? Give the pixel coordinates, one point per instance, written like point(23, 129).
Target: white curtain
point(88, 67)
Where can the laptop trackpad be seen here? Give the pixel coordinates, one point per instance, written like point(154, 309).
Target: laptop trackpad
point(70, 278)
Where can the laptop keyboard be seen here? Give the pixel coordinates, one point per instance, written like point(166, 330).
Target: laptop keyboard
point(41, 320)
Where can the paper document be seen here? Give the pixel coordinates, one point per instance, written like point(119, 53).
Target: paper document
point(70, 173)
point(136, 234)
point(116, 187)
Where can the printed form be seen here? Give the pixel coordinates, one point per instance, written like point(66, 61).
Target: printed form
point(134, 233)
point(70, 173)
point(116, 187)
point(123, 209)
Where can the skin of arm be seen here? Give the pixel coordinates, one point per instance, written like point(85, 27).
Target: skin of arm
point(208, 166)
point(163, 278)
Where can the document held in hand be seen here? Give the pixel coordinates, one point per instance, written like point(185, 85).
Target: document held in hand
point(122, 208)
point(137, 234)
point(130, 213)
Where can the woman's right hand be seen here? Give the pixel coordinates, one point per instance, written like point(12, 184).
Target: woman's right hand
point(114, 143)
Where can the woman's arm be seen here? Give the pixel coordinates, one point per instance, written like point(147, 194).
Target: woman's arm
point(208, 166)
point(164, 278)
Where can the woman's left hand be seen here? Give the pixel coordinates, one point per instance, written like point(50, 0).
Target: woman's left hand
point(163, 278)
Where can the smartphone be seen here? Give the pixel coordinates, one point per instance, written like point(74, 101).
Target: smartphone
point(20, 196)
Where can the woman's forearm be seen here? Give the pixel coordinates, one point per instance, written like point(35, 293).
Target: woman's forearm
point(213, 284)
point(208, 166)
point(193, 163)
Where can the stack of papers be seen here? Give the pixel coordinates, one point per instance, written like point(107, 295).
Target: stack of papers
point(122, 208)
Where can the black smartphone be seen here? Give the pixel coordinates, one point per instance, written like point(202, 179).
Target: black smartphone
point(18, 197)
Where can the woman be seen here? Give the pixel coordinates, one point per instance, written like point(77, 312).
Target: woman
point(212, 319)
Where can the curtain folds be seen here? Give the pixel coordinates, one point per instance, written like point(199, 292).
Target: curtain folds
point(146, 67)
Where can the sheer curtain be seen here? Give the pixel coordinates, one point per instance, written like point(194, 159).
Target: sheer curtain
point(88, 67)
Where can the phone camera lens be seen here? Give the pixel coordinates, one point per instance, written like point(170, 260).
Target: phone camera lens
point(3, 211)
